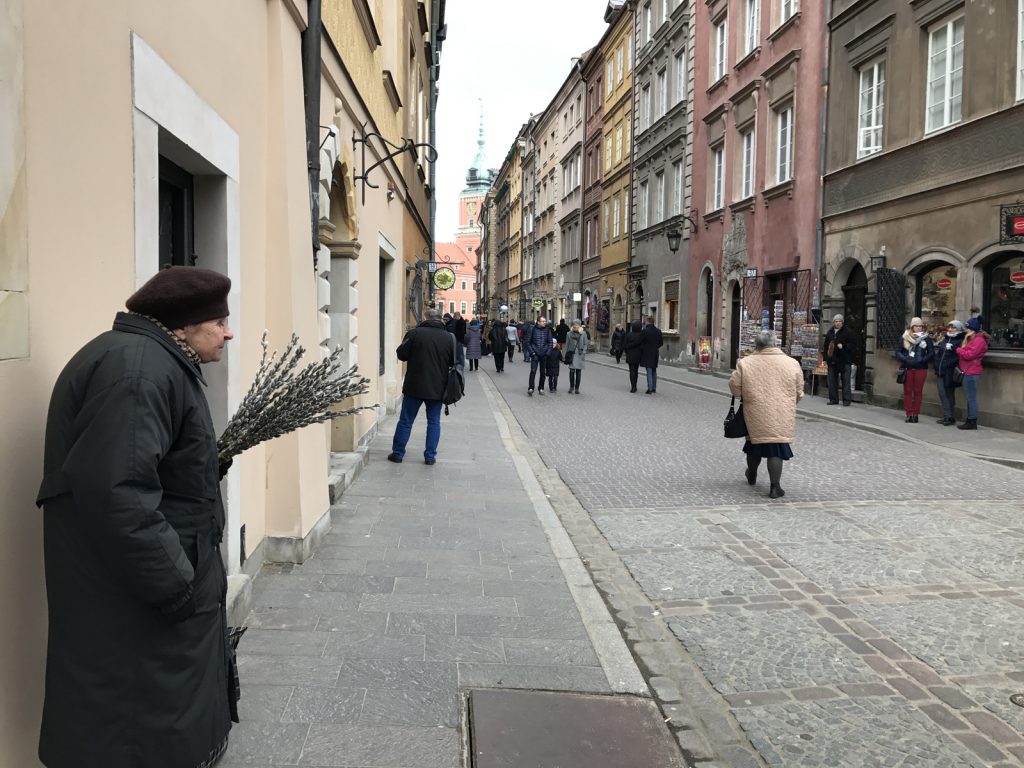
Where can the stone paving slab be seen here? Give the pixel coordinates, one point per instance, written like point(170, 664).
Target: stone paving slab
point(432, 580)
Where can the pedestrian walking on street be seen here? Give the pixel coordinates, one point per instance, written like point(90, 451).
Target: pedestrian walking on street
point(838, 349)
point(634, 345)
point(512, 335)
point(499, 343)
point(474, 345)
point(649, 356)
point(428, 351)
point(618, 342)
point(770, 383)
point(525, 329)
point(946, 361)
point(458, 329)
point(971, 353)
point(561, 333)
point(536, 344)
point(576, 345)
point(553, 367)
point(138, 667)
point(914, 353)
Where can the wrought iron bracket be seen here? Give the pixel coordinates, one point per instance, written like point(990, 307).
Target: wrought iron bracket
point(691, 219)
point(389, 149)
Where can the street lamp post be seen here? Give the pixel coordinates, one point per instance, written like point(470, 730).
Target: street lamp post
point(674, 236)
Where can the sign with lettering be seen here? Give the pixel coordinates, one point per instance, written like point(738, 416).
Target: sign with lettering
point(1011, 224)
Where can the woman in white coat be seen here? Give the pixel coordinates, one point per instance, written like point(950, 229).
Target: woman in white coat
point(770, 383)
point(576, 344)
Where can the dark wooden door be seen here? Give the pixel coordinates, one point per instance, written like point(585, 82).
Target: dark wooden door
point(855, 294)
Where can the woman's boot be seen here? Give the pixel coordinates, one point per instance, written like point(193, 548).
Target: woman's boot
point(969, 424)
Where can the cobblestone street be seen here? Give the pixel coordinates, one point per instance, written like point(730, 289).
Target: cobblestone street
point(873, 616)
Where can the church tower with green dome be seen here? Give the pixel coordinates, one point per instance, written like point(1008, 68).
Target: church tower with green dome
point(471, 199)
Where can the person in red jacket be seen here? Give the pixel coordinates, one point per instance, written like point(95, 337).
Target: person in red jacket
point(971, 353)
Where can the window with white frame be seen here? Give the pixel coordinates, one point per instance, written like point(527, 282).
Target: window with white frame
point(641, 213)
point(945, 74)
point(607, 222)
point(784, 144)
point(618, 63)
point(752, 30)
point(721, 48)
point(872, 108)
point(662, 93)
point(608, 151)
point(659, 200)
point(647, 23)
point(609, 78)
point(677, 187)
point(618, 143)
point(664, 11)
point(463, 285)
point(671, 293)
point(1020, 49)
point(680, 69)
point(718, 177)
point(462, 307)
point(747, 164)
point(645, 107)
point(616, 214)
point(786, 10)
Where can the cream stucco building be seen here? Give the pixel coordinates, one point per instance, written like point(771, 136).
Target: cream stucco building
point(133, 134)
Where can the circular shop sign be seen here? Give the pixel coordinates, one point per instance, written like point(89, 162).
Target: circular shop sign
point(1017, 277)
point(944, 284)
point(444, 278)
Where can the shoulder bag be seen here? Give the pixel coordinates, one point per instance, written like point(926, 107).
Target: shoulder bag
point(901, 375)
point(735, 425)
point(454, 387)
point(958, 377)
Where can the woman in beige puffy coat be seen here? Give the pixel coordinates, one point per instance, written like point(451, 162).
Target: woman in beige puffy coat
point(770, 383)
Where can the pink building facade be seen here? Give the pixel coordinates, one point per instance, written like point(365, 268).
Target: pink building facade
point(758, 100)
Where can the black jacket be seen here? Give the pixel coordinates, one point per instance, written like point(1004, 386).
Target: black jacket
point(553, 362)
point(618, 340)
point(561, 332)
point(459, 329)
point(429, 351)
point(652, 343)
point(847, 338)
point(946, 360)
point(634, 347)
point(138, 671)
point(539, 340)
point(498, 338)
point(922, 355)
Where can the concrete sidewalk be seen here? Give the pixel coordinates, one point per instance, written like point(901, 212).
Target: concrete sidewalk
point(996, 445)
point(433, 580)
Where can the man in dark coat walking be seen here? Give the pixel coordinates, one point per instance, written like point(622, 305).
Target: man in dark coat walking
point(839, 348)
point(561, 333)
point(138, 670)
point(498, 337)
point(429, 351)
point(649, 354)
point(536, 345)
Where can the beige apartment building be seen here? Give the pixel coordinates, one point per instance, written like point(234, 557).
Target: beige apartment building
point(132, 119)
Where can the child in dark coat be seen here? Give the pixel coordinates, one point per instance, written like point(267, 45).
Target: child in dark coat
point(551, 366)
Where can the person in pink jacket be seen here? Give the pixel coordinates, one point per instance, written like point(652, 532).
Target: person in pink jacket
point(770, 383)
point(971, 353)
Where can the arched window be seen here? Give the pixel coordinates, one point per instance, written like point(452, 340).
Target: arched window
point(1003, 310)
point(936, 296)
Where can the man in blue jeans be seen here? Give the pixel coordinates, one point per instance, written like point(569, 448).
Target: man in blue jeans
point(429, 351)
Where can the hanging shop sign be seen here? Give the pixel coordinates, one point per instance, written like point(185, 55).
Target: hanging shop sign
point(1011, 220)
point(944, 284)
point(444, 278)
point(537, 303)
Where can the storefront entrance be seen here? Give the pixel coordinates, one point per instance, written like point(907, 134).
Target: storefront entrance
point(855, 294)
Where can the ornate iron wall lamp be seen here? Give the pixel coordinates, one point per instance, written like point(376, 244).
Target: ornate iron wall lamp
point(390, 150)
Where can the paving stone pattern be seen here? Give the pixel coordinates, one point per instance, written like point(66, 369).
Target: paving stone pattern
point(432, 580)
point(871, 617)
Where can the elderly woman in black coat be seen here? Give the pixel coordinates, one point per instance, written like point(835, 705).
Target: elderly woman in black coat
point(634, 345)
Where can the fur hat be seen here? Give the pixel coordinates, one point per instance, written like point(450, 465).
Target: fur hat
point(180, 296)
point(974, 324)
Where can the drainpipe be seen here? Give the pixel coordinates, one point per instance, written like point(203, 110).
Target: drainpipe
point(819, 233)
point(311, 38)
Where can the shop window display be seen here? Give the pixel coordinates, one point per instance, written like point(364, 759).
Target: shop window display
point(936, 297)
point(1004, 310)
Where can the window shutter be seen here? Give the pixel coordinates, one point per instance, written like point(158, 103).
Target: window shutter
point(672, 290)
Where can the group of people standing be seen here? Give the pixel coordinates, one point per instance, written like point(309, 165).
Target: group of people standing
point(956, 356)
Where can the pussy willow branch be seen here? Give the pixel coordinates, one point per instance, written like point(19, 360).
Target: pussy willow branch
point(281, 400)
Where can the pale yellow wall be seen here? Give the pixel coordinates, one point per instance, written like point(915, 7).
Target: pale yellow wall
point(617, 180)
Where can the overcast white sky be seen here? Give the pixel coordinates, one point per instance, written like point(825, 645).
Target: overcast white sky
point(513, 55)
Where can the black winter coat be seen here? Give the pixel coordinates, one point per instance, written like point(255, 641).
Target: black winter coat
point(429, 351)
point(138, 670)
point(618, 340)
point(539, 340)
point(634, 347)
point(843, 356)
point(946, 360)
point(498, 338)
point(922, 355)
point(561, 332)
point(652, 343)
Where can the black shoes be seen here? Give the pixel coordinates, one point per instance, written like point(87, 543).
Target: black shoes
point(395, 459)
point(776, 491)
point(969, 424)
point(649, 391)
point(946, 421)
point(751, 476)
point(912, 419)
point(832, 402)
point(430, 462)
point(633, 389)
point(529, 392)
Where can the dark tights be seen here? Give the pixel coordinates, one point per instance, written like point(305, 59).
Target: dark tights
point(634, 372)
point(574, 378)
point(474, 365)
point(774, 467)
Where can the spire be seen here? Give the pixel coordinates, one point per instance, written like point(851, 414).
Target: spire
point(479, 164)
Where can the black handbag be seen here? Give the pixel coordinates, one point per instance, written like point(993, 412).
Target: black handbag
point(958, 377)
point(455, 386)
point(735, 425)
point(901, 375)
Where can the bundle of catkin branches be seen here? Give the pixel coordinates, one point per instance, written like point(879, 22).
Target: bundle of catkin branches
point(280, 401)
